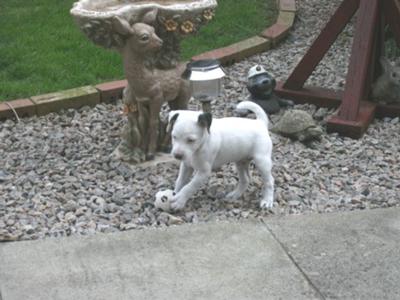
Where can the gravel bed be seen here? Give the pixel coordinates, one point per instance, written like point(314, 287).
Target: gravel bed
point(57, 175)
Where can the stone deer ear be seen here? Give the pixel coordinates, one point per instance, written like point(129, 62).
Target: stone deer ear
point(172, 118)
point(150, 17)
point(205, 120)
point(122, 26)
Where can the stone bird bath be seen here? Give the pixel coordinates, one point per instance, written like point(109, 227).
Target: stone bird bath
point(147, 34)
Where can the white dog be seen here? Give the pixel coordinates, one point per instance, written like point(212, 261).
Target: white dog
point(203, 144)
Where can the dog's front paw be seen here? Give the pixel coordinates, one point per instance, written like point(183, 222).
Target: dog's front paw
point(266, 204)
point(177, 202)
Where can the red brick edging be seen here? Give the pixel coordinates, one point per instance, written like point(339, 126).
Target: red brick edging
point(110, 91)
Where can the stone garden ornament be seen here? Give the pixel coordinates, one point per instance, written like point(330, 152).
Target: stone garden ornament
point(298, 125)
point(147, 35)
point(261, 86)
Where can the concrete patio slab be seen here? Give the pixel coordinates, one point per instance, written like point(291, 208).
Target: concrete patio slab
point(354, 255)
point(206, 261)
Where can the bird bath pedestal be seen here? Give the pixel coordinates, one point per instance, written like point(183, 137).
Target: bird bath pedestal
point(147, 34)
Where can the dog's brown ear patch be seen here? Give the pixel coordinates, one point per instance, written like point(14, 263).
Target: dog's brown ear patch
point(205, 120)
point(172, 122)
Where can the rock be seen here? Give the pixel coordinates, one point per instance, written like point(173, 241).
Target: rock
point(5, 176)
point(294, 202)
point(163, 219)
point(10, 222)
point(81, 211)
point(29, 229)
point(320, 114)
point(70, 206)
point(236, 211)
point(82, 202)
point(70, 217)
point(6, 236)
point(174, 220)
point(192, 217)
point(245, 214)
point(395, 121)
point(127, 226)
point(98, 201)
point(60, 216)
point(118, 200)
point(169, 219)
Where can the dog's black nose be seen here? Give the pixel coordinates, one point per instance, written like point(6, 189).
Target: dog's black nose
point(178, 156)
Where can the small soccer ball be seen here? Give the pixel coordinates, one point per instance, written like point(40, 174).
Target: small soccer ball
point(163, 200)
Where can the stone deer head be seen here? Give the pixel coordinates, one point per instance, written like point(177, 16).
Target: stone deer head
point(139, 37)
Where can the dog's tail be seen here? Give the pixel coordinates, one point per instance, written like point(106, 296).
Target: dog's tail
point(256, 109)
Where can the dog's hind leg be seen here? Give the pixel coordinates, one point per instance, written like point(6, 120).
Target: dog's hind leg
point(264, 165)
point(244, 178)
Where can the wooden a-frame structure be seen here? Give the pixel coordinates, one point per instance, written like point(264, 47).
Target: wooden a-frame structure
point(355, 110)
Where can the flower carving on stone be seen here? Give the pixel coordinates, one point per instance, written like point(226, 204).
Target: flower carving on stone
point(187, 27)
point(129, 108)
point(208, 14)
point(170, 25)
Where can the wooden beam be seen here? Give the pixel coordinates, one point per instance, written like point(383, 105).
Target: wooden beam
point(360, 59)
point(314, 95)
point(353, 128)
point(322, 44)
point(387, 110)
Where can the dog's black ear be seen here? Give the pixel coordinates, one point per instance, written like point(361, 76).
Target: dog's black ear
point(205, 120)
point(171, 122)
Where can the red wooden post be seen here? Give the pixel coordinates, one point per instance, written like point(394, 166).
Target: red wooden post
point(357, 84)
point(321, 45)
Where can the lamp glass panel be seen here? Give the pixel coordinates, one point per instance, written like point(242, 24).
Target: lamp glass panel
point(206, 88)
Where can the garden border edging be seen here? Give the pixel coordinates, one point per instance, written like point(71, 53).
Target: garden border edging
point(109, 92)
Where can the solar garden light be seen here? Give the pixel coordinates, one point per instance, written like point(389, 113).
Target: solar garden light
point(205, 78)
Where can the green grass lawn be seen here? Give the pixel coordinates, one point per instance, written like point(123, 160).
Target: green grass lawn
point(42, 50)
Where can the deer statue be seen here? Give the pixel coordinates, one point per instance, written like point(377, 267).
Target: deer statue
point(148, 86)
